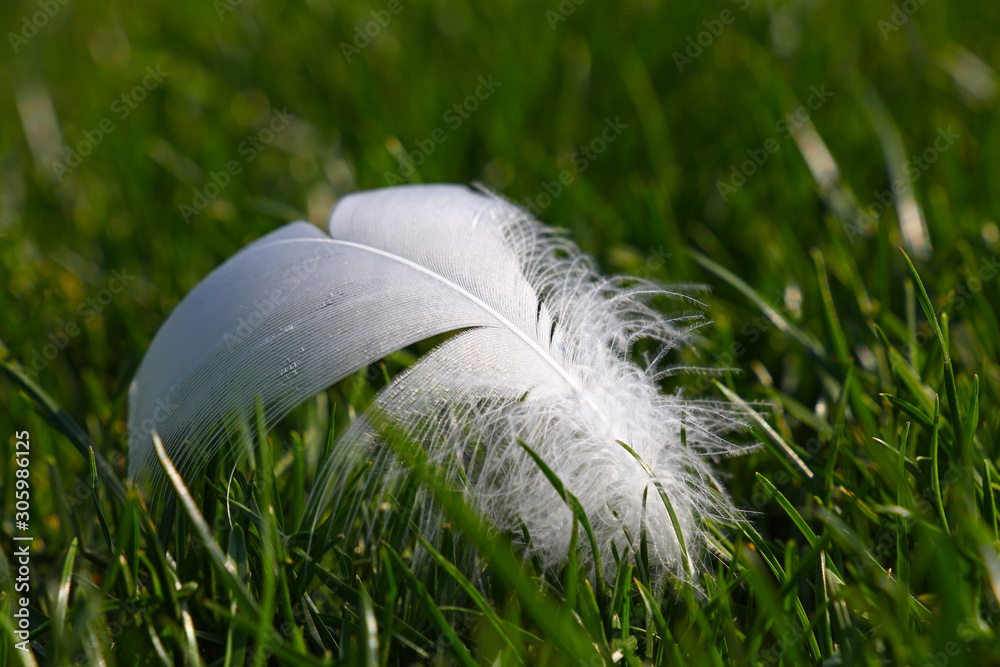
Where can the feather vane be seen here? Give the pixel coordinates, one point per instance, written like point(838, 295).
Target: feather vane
point(541, 354)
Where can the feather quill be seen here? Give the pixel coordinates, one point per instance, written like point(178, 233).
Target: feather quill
point(541, 356)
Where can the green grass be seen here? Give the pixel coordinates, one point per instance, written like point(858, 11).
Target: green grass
point(873, 382)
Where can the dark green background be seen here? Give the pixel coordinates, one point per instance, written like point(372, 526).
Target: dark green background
point(895, 74)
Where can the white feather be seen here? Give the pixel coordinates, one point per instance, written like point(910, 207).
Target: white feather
point(542, 356)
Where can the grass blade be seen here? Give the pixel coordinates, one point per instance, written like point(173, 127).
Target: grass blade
point(62, 422)
point(224, 566)
point(688, 565)
point(794, 463)
point(834, 327)
point(97, 502)
point(58, 617)
point(457, 646)
point(935, 466)
point(792, 513)
point(369, 629)
point(477, 598)
point(577, 509)
point(555, 622)
point(949, 372)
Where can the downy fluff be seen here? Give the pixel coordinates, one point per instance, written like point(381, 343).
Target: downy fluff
point(541, 355)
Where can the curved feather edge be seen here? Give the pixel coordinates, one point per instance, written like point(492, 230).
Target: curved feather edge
point(543, 356)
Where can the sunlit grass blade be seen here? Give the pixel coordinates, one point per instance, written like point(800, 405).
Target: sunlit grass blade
point(555, 622)
point(675, 523)
point(129, 543)
point(369, 630)
point(223, 565)
point(457, 646)
point(591, 614)
point(910, 300)
point(159, 650)
point(989, 500)
point(269, 537)
point(652, 608)
point(477, 598)
point(578, 512)
point(910, 410)
point(972, 423)
point(622, 594)
point(190, 642)
point(97, 502)
point(804, 339)
point(940, 331)
point(912, 224)
point(298, 485)
point(936, 468)
point(792, 513)
point(906, 373)
point(58, 617)
point(787, 454)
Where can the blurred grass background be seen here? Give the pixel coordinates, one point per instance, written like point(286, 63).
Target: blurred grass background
point(894, 76)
